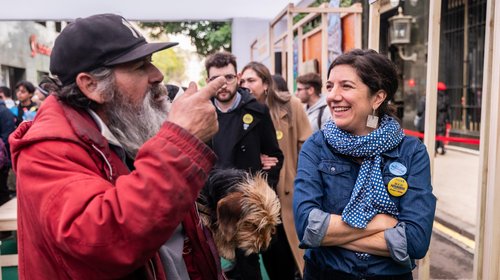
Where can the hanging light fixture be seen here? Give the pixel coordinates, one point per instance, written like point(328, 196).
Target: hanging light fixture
point(394, 3)
point(400, 33)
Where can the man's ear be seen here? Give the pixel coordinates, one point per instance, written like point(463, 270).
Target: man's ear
point(238, 78)
point(311, 91)
point(88, 86)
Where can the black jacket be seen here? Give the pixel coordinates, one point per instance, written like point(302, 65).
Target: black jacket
point(7, 126)
point(443, 113)
point(247, 141)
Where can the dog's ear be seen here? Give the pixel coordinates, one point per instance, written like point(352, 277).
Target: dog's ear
point(225, 249)
point(228, 214)
point(260, 214)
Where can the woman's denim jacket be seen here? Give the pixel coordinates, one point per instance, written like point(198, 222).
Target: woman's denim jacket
point(324, 182)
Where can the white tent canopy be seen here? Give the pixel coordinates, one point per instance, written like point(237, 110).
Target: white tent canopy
point(143, 10)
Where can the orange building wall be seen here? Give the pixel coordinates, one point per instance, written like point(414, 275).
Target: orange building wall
point(312, 48)
point(348, 32)
point(312, 44)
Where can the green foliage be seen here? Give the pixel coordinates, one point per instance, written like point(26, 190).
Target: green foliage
point(206, 36)
point(319, 2)
point(202, 81)
point(171, 65)
point(343, 3)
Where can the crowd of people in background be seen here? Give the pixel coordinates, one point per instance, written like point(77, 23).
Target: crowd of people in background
point(12, 112)
point(443, 116)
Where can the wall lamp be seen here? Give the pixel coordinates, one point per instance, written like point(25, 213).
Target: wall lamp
point(400, 34)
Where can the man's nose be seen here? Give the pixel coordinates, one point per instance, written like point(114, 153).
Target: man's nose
point(155, 76)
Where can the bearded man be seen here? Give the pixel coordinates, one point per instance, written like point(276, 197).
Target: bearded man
point(108, 174)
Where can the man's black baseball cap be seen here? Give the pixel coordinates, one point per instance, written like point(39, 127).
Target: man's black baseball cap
point(96, 41)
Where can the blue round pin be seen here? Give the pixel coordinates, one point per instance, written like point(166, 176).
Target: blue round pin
point(397, 169)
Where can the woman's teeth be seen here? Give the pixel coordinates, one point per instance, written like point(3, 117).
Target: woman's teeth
point(340, 109)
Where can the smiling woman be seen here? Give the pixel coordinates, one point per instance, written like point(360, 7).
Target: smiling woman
point(363, 202)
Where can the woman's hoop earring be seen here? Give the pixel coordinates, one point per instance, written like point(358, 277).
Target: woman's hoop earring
point(372, 121)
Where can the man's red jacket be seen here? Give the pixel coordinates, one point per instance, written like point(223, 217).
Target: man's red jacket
point(83, 215)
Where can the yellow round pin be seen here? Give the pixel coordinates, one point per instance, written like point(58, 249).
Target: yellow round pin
point(279, 134)
point(397, 186)
point(247, 118)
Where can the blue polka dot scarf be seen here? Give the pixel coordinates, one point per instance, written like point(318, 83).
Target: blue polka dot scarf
point(369, 196)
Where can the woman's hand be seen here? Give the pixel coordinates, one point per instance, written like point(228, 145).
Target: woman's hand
point(268, 162)
point(383, 221)
point(374, 244)
point(339, 232)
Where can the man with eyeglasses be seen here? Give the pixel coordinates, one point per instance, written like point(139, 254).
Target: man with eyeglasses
point(245, 132)
point(309, 92)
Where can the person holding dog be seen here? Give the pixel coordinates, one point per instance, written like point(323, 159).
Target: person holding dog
point(121, 167)
point(363, 203)
point(283, 259)
point(246, 131)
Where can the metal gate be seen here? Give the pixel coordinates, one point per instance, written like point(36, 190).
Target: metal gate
point(461, 62)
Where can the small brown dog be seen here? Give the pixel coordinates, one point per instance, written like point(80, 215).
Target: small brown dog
point(241, 210)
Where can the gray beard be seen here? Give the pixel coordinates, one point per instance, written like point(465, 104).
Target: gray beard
point(133, 125)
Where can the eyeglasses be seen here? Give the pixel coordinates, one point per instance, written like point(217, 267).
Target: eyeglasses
point(230, 78)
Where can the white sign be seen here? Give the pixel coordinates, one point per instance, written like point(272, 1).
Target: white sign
point(394, 3)
point(260, 50)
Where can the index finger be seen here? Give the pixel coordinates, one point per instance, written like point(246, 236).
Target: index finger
point(212, 87)
point(191, 89)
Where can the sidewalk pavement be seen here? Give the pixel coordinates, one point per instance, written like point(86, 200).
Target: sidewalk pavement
point(455, 184)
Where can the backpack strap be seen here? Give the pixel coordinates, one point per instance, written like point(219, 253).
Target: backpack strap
point(320, 115)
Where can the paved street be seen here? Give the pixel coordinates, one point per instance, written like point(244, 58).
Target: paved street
point(448, 261)
point(455, 182)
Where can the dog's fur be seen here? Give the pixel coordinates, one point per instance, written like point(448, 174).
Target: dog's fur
point(241, 210)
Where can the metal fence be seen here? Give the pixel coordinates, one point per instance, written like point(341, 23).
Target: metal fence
point(461, 61)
